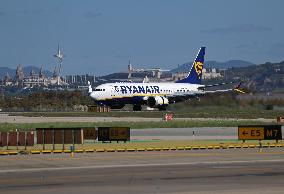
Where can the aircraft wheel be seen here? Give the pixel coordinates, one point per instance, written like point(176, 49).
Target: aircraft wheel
point(137, 107)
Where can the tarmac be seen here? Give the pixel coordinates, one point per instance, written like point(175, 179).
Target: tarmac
point(219, 169)
point(197, 133)
point(5, 118)
point(247, 171)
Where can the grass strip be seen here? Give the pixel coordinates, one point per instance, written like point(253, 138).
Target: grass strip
point(192, 112)
point(132, 125)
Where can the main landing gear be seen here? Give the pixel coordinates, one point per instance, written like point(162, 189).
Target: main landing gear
point(162, 108)
point(137, 107)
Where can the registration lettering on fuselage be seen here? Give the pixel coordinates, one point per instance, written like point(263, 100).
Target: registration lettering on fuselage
point(137, 89)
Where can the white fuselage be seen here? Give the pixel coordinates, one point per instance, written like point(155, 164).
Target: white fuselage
point(127, 90)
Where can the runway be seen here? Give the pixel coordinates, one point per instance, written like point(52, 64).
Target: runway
point(5, 118)
point(197, 133)
point(207, 171)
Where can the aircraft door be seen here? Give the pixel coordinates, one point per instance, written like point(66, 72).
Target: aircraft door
point(113, 91)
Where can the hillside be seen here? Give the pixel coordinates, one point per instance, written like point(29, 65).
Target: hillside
point(214, 64)
point(5, 70)
point(266, 77)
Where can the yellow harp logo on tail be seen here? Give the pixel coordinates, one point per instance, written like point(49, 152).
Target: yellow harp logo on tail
point(198, 67)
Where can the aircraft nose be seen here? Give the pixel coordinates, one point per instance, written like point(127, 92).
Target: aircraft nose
point(94, 95)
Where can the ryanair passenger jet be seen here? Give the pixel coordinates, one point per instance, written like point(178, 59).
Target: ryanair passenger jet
point(155, 95)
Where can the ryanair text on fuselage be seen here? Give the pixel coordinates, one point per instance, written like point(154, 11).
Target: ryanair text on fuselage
point(138, 89)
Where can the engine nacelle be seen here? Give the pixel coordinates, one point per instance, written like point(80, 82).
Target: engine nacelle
point(157, 101)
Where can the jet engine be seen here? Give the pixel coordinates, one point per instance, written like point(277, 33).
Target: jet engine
point(157, 101)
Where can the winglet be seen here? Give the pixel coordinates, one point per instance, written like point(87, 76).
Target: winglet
point(237, 88)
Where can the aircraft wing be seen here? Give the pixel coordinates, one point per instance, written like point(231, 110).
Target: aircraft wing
point(188, 95)
point(214, 85)
point(237, 88)
point(192, 94)
point(224, 91)
point(185, 94)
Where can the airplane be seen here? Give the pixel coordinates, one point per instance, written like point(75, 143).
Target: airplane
point(156, 95)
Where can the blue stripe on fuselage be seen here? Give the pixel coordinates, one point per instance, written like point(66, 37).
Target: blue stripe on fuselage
point(125, 100)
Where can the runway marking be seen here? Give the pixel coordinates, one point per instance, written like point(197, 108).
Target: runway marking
point(57, 179)
point(144, 155)
point(137, 165)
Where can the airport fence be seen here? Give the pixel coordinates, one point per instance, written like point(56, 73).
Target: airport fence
point(66, 138)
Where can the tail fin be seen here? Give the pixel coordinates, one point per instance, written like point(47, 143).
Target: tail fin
point(195, 74)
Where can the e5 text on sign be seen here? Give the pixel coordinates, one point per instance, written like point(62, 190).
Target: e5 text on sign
point(260, 132)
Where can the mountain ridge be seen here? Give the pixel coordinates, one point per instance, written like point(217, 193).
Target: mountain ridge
point(182, 68)
point(214, 64)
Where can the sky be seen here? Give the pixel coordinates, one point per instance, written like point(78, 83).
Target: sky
point(100, 36)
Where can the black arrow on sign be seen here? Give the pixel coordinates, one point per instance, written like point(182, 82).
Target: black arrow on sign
point(245, 133)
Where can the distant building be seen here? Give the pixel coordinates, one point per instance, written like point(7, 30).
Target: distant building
point(56, 80)
point(80, 80)
point(206, 74)
point(130, 70)
point(7, 81)
point(34, 79)
point(19, 76)
point(210, 73)
point(179, 76)
point(40, 75)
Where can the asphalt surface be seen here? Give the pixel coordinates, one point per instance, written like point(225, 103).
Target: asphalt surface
point(207, 171)
point(198, 133)
point(5, 118)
